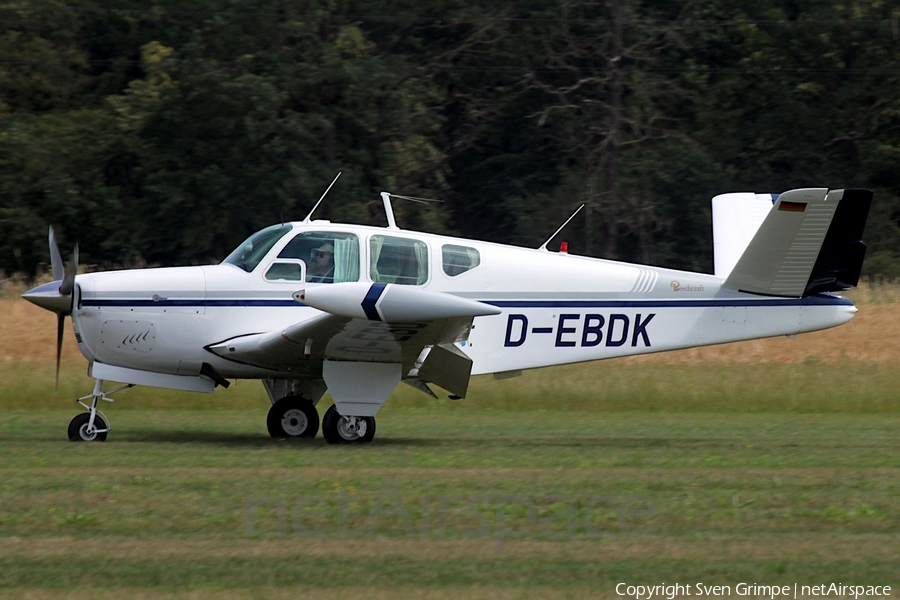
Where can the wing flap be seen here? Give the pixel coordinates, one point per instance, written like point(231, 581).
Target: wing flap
point(449, 367)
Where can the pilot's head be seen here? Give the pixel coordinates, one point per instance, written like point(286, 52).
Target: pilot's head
point(321, 259)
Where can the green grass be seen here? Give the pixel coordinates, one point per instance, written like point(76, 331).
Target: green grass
point(560, 483)
point(809, 386)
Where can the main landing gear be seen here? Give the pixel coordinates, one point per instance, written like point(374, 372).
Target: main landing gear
point(339, 429)
point(296, 417)
point(91, 426)
point(293, 417)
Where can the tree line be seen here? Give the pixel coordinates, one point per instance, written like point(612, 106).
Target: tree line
point(166, 132)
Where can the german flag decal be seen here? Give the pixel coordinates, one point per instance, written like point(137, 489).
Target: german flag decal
point(792, 206)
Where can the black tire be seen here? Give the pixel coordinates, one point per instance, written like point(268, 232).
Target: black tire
point(328, 425)
point(335, 433)
point(293, 417)
point(78, 425)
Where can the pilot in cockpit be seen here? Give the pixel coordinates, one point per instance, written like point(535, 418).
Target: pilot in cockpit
point(321, 264)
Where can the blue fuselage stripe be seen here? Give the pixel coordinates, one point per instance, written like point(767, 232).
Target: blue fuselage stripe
point(819, 300)
point(187, 303)
point(707, 303)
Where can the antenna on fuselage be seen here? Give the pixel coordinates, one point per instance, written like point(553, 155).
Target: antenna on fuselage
point(544, 245)
point(306, 220)
point(389, 209)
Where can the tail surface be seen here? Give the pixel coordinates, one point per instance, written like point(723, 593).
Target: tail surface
point(809, 242)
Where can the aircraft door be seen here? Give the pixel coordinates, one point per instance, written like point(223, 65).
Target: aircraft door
point(398, 260)
point(317, 257)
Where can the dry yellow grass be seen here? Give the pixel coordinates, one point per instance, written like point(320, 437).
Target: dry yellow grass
point(872, 336)
point(28, 335)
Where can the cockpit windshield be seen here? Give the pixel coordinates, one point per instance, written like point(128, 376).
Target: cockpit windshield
point(249, 254)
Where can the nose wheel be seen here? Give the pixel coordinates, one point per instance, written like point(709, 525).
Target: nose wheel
point(339, 429)
point(82, 430)
point(91, 426)
point(293, 417)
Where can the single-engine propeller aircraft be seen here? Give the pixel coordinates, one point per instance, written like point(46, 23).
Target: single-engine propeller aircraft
point(313, 306)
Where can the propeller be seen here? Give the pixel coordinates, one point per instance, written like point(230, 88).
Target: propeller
point(55, 258)
point(57, 296)
point(68, 282)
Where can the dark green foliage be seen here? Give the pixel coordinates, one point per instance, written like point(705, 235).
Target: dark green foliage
point(168, 132)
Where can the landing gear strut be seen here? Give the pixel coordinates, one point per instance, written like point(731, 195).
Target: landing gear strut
point(339, 429)
point(293, 417)
point(91, 426)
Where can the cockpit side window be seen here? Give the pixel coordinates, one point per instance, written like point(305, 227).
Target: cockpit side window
point(459, 259)
point(250, 253)
point(330, 257)
point(285, 270)
point(398, 260)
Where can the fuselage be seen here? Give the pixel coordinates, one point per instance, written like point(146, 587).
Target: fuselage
point(555, 308)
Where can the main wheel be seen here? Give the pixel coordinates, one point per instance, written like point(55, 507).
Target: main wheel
point(293, 416)
point(339, 429)
point(78, 429)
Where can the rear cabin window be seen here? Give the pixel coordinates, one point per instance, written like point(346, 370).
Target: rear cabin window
point(398, 260)
point(329, 258)
point(459, 259)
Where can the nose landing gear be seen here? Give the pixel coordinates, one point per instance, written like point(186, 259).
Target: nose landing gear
point(84, 429)
point(92, 425)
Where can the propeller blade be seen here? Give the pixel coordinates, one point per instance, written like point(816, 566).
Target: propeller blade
point(68, 283)
point(60, 329)
point(56, 262)
point(56, 296)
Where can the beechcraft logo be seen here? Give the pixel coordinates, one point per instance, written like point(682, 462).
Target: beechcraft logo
point(679, 287)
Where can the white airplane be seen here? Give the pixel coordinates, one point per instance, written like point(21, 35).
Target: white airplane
point(313, 306)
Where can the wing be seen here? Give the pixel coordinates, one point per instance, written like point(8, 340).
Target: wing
point(291, 349)
point(369, 323)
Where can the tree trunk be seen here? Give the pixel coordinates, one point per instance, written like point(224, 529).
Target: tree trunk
point(610, 218)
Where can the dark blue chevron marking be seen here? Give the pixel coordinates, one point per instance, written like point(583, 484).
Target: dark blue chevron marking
point(372, 296)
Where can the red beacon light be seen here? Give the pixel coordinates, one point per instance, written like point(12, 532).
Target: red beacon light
point(564, 247)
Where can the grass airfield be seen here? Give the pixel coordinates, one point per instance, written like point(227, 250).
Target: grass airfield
point(774, 461)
